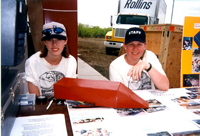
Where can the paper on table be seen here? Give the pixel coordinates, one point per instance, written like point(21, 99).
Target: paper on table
point(92, 120)
point(43, 125)
point(170, 94)
point(145, 94)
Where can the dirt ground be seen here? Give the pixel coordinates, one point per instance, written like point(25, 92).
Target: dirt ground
point(92, 51)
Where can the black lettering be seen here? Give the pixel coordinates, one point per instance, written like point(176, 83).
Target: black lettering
point(139, 4)
point(143, 5)
point(128, 2)
point(136, 4)
point(133, 5)
point(148, 5)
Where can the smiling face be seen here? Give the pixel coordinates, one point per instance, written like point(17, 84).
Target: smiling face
point(134, 50)
point(55, 46)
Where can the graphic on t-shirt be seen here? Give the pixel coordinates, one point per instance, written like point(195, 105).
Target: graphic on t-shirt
point(144, 82)
point(47, 81)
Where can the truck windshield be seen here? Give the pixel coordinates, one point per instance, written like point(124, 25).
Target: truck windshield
point(132, 19)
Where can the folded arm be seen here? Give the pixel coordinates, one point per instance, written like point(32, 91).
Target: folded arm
point(161, 81)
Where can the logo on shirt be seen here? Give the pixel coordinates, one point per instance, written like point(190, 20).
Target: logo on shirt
point(143, 84)
point(48, 79)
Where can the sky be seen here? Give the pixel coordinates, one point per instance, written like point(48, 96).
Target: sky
point(98, 12)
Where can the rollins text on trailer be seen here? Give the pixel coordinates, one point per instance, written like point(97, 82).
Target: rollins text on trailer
point(133, 13)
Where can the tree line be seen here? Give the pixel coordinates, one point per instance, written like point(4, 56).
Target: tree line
point(92, 32)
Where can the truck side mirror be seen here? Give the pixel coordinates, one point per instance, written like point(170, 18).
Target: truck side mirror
point(111, 17)
point(157, 20)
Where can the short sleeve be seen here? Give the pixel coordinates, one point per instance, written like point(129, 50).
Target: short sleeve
point(29, 73)
point(72, 67)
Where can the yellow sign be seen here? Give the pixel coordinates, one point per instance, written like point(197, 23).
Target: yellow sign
point(190, 63)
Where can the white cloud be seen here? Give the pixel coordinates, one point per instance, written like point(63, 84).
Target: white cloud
point(96, 12)
point(184, 8)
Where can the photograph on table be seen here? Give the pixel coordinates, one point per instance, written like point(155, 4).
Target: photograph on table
point(155, 106)
point(189, 103)
point(194, 92)
point(187, 133)
point(156, 109)
point(191, 100)
point(163, 133)
point(90, 126)
point(194, 96)
point(196, 111)
point(197, 122)
point(196, 60)
point(92, 121)
point(130, 112)
point(79, 104)
point(187, 43)
point(190, 80)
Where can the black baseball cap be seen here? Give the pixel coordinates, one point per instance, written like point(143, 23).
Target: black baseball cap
point(135, 34)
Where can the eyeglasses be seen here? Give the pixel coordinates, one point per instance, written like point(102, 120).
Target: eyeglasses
point(56, 30)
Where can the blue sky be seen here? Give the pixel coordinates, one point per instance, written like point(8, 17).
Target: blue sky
point(98, 12)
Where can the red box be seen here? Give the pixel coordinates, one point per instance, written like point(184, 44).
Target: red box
point(102, 93)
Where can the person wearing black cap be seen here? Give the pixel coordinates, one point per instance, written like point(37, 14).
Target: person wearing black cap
point(138, 68)
point(53, 62)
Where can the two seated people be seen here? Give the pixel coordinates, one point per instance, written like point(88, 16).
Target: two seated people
point(138, 68)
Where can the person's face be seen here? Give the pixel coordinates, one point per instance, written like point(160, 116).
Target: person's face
point(55, 46)
point(135, 50)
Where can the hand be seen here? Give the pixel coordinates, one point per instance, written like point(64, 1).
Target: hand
point(136, 71)
point(33, 89)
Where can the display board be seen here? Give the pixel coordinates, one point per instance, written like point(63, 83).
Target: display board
point(190, 60)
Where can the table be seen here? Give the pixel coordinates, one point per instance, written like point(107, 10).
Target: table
point(40, 109)
point(175, 119)
point(166, 116)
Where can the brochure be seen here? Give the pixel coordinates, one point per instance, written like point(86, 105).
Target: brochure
point(41, 125)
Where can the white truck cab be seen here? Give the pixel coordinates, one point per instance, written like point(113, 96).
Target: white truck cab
point(133, 13)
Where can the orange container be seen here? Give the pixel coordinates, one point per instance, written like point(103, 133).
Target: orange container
point(102, 93)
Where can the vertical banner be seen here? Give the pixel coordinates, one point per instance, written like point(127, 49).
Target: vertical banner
point(190, 63)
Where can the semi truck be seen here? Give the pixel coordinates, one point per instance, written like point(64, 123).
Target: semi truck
point(133, 13)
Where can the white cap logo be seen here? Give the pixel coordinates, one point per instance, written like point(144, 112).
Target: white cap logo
point(134, 32)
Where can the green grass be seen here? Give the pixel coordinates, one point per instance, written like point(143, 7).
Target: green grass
point(92, 32)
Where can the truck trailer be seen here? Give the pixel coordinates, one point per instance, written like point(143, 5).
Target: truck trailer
point(133, 13)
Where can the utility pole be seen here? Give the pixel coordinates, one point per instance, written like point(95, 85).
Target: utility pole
point(172, 11)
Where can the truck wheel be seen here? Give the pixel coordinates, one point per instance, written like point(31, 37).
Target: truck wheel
point(109, 51)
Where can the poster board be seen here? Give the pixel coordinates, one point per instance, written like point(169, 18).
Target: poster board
point(190, 60)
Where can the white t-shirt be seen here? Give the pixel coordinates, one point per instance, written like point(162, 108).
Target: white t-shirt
point(119, 68)
point(43, 75)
